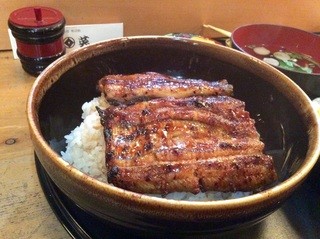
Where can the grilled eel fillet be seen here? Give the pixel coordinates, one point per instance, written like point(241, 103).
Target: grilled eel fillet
point(149, 85)
point(189, 144)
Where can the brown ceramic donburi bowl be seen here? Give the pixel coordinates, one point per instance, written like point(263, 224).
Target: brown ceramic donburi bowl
point(283, 113)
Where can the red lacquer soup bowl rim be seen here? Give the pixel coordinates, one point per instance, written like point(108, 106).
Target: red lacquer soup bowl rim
point(292, 39)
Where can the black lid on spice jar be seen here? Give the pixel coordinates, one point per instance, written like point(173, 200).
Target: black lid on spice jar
point(39, 35)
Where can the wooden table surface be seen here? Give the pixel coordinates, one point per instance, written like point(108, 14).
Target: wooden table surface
point(24, 211)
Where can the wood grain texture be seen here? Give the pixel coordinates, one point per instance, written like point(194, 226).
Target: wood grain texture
point(24, 211)
point(141, 17)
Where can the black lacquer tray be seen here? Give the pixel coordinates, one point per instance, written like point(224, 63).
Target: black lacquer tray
point(302, 211)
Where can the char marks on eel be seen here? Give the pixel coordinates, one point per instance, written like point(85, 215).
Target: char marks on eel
point(166, 134)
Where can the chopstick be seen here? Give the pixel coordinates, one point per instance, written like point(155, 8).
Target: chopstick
point(222, 31)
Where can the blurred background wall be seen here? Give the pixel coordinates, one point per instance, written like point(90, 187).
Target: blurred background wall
point(148, 17)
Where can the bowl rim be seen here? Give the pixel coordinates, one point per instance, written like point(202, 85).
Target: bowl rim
point(145, 200)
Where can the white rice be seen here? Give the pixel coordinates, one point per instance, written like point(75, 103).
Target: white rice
point(85, 144)
point(86, 151)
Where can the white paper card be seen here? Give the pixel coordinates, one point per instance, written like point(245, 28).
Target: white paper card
point(77, 36)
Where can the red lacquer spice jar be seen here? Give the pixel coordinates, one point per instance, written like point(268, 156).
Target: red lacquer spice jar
point(39, 36)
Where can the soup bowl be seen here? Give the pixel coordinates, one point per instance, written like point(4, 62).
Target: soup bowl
point(283, 114)
point(293, 51)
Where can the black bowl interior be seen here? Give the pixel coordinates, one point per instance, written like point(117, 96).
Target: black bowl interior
point(278, 122)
